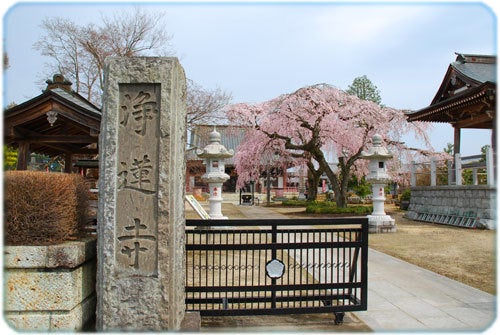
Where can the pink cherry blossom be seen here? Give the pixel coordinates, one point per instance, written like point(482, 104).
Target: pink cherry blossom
point(314, 123)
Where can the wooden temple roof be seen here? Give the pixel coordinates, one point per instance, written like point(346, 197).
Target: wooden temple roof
point(58, 121)
point(467, 95)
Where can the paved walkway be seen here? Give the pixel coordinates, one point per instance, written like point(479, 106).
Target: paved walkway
point(405, 297)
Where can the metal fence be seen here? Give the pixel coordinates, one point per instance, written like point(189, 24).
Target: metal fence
point(240, 267)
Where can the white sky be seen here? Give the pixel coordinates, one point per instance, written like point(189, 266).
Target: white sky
point(257, 51)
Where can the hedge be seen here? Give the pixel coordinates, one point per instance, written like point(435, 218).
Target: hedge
point(330, 208)
point(43, 208)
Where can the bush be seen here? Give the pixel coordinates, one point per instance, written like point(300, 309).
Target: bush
point(330, 208)
point(295, 203)
point(43, 208)
point(406, 195)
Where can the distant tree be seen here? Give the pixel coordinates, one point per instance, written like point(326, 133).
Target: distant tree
point(9, 158)
point(364, 89)
point(449, 149)
point(6, 63)
point(78, 52)
point(205, 106)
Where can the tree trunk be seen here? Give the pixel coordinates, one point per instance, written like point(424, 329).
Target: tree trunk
point(312, 192)
point(313, 177)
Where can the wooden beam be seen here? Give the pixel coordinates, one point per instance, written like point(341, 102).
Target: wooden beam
point(23, 153)
point(63, 149)
point(61, 138)
point(28, 114)
point(476, 121)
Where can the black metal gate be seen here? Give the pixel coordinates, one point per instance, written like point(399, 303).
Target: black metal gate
point(240, 267)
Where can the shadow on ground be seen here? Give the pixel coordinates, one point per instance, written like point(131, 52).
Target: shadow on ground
point(324, 322)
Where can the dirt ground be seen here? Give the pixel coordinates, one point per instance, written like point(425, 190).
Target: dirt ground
point(465, 255)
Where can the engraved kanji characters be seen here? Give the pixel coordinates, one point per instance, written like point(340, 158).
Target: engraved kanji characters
point(137, 177)
point(136, 237)
point(140, 109)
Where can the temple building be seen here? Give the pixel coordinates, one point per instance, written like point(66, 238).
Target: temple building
point(461, 191)
point(466, 97)
point(58, 122)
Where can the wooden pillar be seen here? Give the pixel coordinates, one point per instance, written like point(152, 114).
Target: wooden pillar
point(456, 141)
point(23, 153)
point(67, 162)
point(494, 154)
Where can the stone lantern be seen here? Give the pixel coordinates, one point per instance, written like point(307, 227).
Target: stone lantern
point(214, 154)
point(377, 156)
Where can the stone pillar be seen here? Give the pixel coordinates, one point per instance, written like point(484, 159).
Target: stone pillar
point(140, 279)
point(433, 172)
point(458, 169)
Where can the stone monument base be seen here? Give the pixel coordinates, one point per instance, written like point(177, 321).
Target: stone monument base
point(381, 224)
point(219, 218)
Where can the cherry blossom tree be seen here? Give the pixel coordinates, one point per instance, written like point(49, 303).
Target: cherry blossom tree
point(317, 122)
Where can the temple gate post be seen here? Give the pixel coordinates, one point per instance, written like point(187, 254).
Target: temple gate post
point(140, 275)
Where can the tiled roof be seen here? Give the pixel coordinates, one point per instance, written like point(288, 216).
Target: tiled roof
point(74, 99)
point(231, 137)
point(479, 72)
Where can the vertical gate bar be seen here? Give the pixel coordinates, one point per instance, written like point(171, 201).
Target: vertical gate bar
point(258, 274)
point(199, 271)
point(354, 264)
point(339, 261)
point(207, 241)
point(188, 270)
point(332, 261)
point(364, 261)
point(301, 259)
point(343, 263)
point(213, 263)
point(313, 262)
point(253, 269)
point(238, 268)
point(350, 258)
point(274, 232)
point(288, 269)
point(233, 267)
point(308, 263)
point(226, 261)
point(246, 270)
point(220, 265)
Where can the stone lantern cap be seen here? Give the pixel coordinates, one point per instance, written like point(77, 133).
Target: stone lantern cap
point(376, 151)
point(215, 149)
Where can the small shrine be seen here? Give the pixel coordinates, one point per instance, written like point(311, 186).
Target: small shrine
point(377, 156)
point(214, 154)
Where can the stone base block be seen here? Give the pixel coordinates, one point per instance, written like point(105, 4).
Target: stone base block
point(76, 319)
point(50, 287)
point(381, 224)
point(191, 322)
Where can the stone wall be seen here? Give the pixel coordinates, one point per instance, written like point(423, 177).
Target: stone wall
point(477, 201)
point(49, 288)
